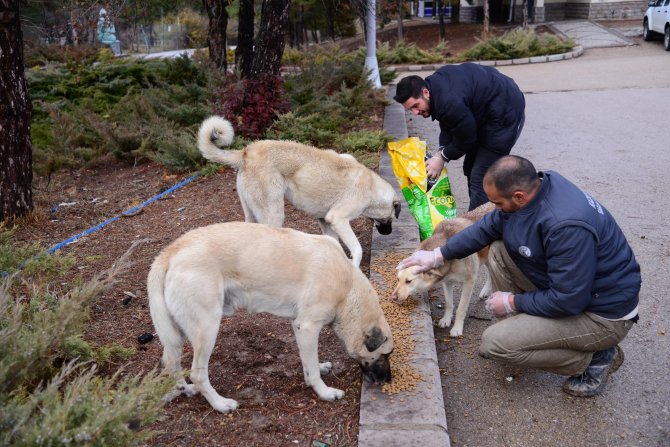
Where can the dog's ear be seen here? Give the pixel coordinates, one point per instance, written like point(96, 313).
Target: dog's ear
point(374, 338)
point(396, 207)
point(435, 275)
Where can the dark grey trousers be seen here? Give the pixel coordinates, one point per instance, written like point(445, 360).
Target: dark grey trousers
point(476, 164)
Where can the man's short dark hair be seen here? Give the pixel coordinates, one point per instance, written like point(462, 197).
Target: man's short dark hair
point(409, 86)
point(512, 173)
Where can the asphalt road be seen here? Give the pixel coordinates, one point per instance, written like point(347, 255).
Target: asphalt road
point(602, 121)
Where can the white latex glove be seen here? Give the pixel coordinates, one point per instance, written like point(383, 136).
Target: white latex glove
point(500, 303)
point(425, 260)
point(434, 166)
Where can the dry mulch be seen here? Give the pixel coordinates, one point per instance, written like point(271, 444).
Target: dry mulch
point(256, 359)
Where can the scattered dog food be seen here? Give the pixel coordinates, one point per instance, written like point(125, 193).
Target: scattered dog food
point(399, 317)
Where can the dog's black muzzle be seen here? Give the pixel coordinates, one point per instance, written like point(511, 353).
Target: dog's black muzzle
point(379, 371)
point(384, 227)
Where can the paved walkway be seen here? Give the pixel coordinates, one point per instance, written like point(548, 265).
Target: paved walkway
point(420, 419)
point(591, 35)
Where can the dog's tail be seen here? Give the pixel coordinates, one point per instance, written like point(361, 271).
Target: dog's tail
point(216, 132)
point(167, 329)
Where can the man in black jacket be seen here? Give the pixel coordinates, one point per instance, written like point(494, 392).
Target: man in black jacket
point(480, 112)
point(560, 263)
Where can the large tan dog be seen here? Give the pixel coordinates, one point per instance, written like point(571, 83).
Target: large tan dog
point(331, 187)
point(211, 272)
point(457, 270)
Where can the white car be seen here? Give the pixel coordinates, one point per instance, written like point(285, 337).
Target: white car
point(657, 21)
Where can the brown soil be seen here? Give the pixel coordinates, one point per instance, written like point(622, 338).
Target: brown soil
point(256, 359)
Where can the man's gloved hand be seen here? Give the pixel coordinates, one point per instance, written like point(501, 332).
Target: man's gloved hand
point(425, 260)
point(500, 303)
point(434, 166)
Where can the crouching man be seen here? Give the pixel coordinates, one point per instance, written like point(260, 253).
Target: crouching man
point(561, 268)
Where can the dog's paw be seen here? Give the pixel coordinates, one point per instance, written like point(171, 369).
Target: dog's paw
point(444, 322)
point(457, 330)
point(331, 394)
point(325, 367)
point(224, 405)
point(485, 292)
point(170, 395)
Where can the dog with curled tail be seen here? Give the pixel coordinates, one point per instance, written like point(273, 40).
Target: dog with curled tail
point(334, 188)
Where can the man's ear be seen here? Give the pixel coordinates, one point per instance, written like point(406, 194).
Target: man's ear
point(519, 197)
point(425, 92)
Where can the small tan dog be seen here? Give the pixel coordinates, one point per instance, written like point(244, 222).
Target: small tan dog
point(457, 270)
point(211, 272)
point(331, 187)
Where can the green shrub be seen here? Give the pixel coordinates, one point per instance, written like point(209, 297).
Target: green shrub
point(35, 264)
point(363, 141)
point(38, 54)
point(308, 129)
point(365, 145)
point(77, 407)
point(174, 148)
point(48, 396)
point(115, 110)
point(182, 71)
point(318, 77)
point(516, 44)
point(408, 53)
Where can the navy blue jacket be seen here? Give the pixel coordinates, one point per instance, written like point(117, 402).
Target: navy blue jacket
point(476, 106)
point(568, 245)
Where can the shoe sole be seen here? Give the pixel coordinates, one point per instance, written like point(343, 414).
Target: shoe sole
point(618, 360)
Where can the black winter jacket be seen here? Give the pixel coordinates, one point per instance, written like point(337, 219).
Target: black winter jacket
point(568, 245)
point(476, 106)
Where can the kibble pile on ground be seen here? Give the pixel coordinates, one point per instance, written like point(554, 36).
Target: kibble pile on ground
point(399, 317)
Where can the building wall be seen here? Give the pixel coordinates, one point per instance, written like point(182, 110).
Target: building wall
point(566, 10)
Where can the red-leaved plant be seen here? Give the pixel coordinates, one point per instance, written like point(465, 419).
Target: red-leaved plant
point(252, 105)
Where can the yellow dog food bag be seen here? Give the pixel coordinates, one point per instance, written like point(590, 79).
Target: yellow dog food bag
point(428, 205)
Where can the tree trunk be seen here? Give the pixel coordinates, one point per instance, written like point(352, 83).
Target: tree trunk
point(270, 43)
point(443, 31)
point(524, 14)
point(216, 34)
point(16, 171)
point(455, 11)
point(244, 53)
point(400, 28)
point(487, 20)
point(328, 8)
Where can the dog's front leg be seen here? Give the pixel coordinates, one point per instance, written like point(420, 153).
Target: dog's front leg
point(327, 230)
point(445, 321)
point(342, 228)
point(307, 338)
point(463, 306)
point(487, 289)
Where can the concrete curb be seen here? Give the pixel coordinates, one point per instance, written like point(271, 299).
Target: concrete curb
point(420, 418)
point(575, 52)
